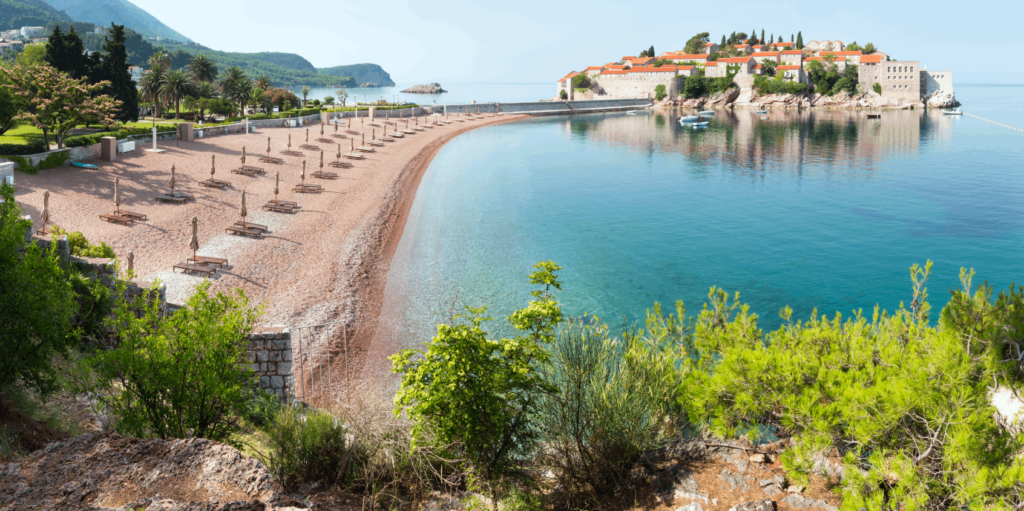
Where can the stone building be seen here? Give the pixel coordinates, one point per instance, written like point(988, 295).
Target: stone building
point(565, 84)
point(742, 48)
point(791, 57)
point(782, 46)
point(710, 48)
point(760, 57)
point(593, 71)
point(825, 45)
point(900, 80)
point(745, 65)
point(792, 74)
point(697, 59)
point(935, 81)
point(839, 63)
point(852, 57)
point(638, 82)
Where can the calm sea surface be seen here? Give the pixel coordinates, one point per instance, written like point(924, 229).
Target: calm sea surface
point(822, 210)
point(457, 93)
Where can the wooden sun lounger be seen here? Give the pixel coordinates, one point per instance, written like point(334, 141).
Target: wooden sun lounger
point(364, 149)
point(172, 199)
point(375, 125)
point(428, 125)
point(417, 128)
point(324, 175)
point(399, 135)
point(208, 261)
point(292, 153)
point(409, 132)
point(446, 122)
point(387, 139)
point(307, 189)
point(309, 147)
point(118, 219)
point(337, 135)
point(340, 164)
point(325, 141)
point(272, 159)
point(279, 208)
point(244, 172)
point(215, 183)
point(285, 203)
point(131, 214)
point(205, 269)
point(258, 227)
point(238, 231)
point(353, 156)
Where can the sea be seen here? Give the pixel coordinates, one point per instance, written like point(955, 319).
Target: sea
point(823, 212)
point(457, 93)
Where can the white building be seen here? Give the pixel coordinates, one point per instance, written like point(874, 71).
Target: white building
point(28, 32)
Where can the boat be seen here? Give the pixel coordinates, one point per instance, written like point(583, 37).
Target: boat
point(630, 112)
point(700, 124)
point(83, 165)
point(952, 112)
point(760, 111)
point(689, 118)
point(707, 113)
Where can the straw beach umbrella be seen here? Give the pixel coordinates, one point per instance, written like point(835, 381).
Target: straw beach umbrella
point(289, 141)
point(131, 264)
point(277, 185)
point(242, 211)
point(44, 217)
point(374, 134)
point(353, 142)
point(364, 139)
point(117, 193)
point(321, 161)
point(302, 176)
point(194, 242)
point(321, 131)
point(170, 183)
point(243, 156)
point(268, 147)
point(213, 164)
point(307, 135)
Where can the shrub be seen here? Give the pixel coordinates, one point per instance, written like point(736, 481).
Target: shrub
point(606, 413)
point(32, 147)
point(180, 376)
point(80, 245)
point(35, 324)
point(877, 87)
point(581, 81)
point(778, 86)
point(306, 447)
point(563, 95)
point(52, 160)
point(479, 393)
point(659, 92)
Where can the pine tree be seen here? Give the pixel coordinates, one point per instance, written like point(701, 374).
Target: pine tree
point(723, 42)
point(65, 52)
point(799, 41)
point(753, 38)
point(780, 39)
point(762, 37)
point(650, 52)
point(113, 67)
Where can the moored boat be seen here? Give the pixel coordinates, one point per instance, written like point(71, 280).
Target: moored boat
point(689, 119)
point(707, 113)
point(952, 112)
point(760, 111)
point(700, 124)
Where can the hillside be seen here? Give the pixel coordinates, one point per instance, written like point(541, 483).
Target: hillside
point(361, 73)
point(283, 69)
point(122, 12)
point(20, 13)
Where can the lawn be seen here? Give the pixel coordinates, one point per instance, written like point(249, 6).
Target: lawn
point(22, 134)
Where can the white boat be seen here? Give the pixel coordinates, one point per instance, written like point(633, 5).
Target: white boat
point(688, 119)
point(700, 124)
point(952, 112)
point(760, 111)
point(707, 112)
point(630, 112)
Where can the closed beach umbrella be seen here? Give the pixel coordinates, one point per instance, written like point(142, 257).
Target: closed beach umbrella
point(242, 211)
point(335, 127)
point(374, 134)
point(44, 217)
point(213, 165)
point(277, 183)
point(339, 152)
point(194, 242)
point(170, 182)
point(307, 135)
point(364, 139)
point(321, 130)
point(302, 176)
point(131, 263)
point(117, 193)
point(268, 147)
point(243, 156)
point(321, 161)
point(289, 141)
point(353, 143)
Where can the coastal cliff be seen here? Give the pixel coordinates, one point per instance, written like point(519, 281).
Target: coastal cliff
point(839, 101)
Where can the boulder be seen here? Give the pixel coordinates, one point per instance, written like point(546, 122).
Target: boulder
point(736, 480)
point(801, 502)
point(369, 85)
point(939, 99)
point(431, 88)
point(755, 505)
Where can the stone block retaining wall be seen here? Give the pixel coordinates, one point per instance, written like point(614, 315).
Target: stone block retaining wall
point(270, 356)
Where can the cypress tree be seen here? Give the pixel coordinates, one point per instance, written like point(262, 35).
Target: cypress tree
point(771, 40)
point(65, 52)
point(114, 67)
point(752, 40)
point(762, 37)
point(723, 41)
point(799, 41)
point(780, 39)
point(55, 49)
point(650, 52)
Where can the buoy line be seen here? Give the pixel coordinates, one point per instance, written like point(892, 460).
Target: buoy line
point(994, 122)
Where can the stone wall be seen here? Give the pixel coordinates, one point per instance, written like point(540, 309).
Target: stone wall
point(936, 81)
point(632, 85)
point(76, 154)
point(270, 356)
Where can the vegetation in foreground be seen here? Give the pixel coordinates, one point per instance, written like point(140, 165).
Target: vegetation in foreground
point(900, 399)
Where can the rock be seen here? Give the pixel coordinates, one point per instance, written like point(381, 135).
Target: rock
point(823, 465)
point(799, 501)
point(757, 458)
point(369, 85)
point(772, 489)
point(740, 463)
point(939, 99)
point(795, 489)
point(690, 507)
point(171, 475)
point(755, 505)
point(736, 481)
point(433, 88)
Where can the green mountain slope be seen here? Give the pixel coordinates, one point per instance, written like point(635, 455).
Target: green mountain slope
point(122, 12)
point(283, 69)
point(361, 73)
point(28, 13)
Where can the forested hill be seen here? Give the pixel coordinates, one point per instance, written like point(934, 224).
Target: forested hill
point(121, 12)
point(28, 13)
point(283, 69)
point(361, 73)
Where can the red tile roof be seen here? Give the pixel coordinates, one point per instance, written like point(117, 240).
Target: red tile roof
point(684, 68)
point(662, 69)
point(643, 61)
point(842, 53)
point(782, 44)
point(736, 60)
point(793, 52)
point(614, 67)
point(594, 68)
point(788, 68)
point(871, 59)
point(628, 58)
point(680, 56)
point(712, 64)
point(766, 54)
point(613, 72)
point(708, 44)
point(758, 46)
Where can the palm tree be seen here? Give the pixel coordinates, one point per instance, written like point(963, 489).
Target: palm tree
point(258, 99)
point(151, 85)
point(202, 68)
point(205, 91)
point(176, 86)
point(262, 82)
point(159, 60)
point(235, 85)
point(305, 92)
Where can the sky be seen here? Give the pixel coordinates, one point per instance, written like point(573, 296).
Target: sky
point(537, 41)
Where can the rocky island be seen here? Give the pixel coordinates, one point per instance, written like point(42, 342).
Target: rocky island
point(432, 88)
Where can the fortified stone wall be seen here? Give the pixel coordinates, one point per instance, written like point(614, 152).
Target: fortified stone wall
point(270, 356)
point(632, 85)
point(936, 81)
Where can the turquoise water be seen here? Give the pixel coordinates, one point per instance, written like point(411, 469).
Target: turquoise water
point(823, 210)
point(457, 93)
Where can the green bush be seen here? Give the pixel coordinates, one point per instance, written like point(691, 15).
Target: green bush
point(877, 87)
point(659, 92)
point(310, 446)
point(80, 245)
point(32, 147)
point(185, 375)
point(563, 95)
point(777, 85)
point(608, 408)
point(53, 160)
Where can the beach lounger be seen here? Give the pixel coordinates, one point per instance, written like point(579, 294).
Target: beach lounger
point(387, 139)
point(271, 159)
point(311, 147)
point(117, 219)
point(243, 172)
point(428, 125)
point(258, 227)
point(215, 183)
point(208, 261)
point(353, 156)
point(337, 135)
point(205, 269)
point(409, 132)
point(446, 122)
point(417, 128)
point(278, 208)
point(324, 175)
point(285, 203)
point(292, 153)
point(398, 135)
point(173, 200)
point(364, 149)
point(376, 144)
point(340, 164)
point(307, 189)
point(131, 214)
point(239, 231)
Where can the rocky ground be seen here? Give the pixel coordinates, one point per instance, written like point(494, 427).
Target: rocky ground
point(839, 101)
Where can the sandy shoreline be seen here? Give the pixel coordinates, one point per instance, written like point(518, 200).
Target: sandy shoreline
point(328, 262)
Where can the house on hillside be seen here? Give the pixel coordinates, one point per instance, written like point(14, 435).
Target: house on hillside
point(686, 71)
point(565, 84)
point(593, 71)
point(757, 48)
point(851, 57)
point(766, 55)
point(792, 74)
point(825, 45)
point(742, 48)
point(782, 46)
point(137, 73)
point(839, 63)
point(639, 82)
point(644, 61)
point(28, 32)
point(745, 64)
point(791, 57)
point(710, 48)
point(699, 59)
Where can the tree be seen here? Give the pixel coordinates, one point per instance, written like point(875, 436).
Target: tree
point(279, 97)
point(723, 44)
point(877, 87)
point(771, 39)
point(696, 43)
point(151, 87)
point(659, 92)
point(752, 40)
point(342, 95)
point(235, 85)
point(180, 376)
point(202, 69)
point(762, 37)
point(581, 81)
point(262, 82)
point(113, 69)
point(176, 86)
point(870, 48)
point(480, 394)
point(650, 52)
point(792, 39)
point(853, 47)
point(37, 303)
point(305, 94)
point(56, 103)
point(10, 106)
point(328, 100)
point(799, 41)
point(65, 52)
point(768, 67)
point(563, 95)
point(33, 55)
point(159, 60)
point(780, 39)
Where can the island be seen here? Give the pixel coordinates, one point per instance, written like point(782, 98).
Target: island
point(432, 88)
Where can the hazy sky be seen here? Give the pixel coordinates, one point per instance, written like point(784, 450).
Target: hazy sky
point(532, 41)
